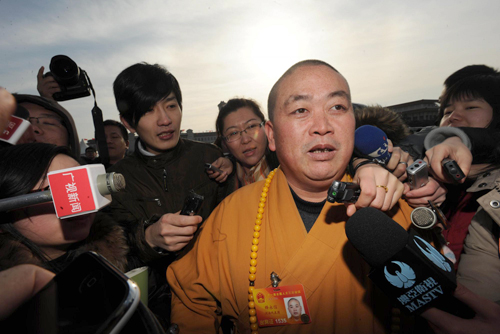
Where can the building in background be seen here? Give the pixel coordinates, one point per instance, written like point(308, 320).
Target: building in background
point(417, 114)
point(205, 137)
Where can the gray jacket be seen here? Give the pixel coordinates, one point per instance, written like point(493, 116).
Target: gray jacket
point(479, 268)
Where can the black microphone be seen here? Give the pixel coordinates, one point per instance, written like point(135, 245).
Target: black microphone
point(405, 266)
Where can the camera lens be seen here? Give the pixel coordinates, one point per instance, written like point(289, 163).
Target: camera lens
point(64, 70)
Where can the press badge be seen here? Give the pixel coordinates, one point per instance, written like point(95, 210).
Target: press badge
point(280, 306)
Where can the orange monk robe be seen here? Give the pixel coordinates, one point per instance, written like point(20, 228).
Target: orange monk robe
point(211, 280)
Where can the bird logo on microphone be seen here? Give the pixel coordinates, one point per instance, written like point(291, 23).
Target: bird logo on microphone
point(404, 276)
point(432, 254)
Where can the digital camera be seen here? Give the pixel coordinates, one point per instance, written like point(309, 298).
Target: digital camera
point(71, 78)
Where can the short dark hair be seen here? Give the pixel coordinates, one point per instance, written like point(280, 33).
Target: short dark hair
point(123, 129)
point(233, 105)
point(22, 167)
point(484, 86)
point(90, 148)
point(271, 101)
point(139, 87)
point(469, 71)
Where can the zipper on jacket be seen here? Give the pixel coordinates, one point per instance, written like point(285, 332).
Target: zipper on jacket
point(165, 179)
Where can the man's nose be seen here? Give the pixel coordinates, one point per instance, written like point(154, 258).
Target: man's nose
point(35, 127)
point(163, 117)
point(321, 123)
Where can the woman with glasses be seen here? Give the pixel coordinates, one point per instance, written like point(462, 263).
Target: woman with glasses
point(34, 234)
point(240, 128)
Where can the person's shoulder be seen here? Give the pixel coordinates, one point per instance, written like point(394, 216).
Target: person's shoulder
point(126, 164)
point(201, 147)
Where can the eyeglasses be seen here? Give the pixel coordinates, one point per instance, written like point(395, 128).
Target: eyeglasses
point(45, 121)
point(250, 130)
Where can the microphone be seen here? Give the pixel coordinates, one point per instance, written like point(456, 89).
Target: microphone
point(423, 218)
point(17, 126)
point(74, 191)
point(405, 266)
point(371, 141)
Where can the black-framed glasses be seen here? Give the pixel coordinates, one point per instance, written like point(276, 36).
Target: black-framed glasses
point(250, 130)
point(45, 121)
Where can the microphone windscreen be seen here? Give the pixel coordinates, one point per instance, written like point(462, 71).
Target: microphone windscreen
point(370, 140)
point(376, 236)
point(423, 217)
point(22, 112)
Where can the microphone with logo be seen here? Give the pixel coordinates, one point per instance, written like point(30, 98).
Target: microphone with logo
point(18, 124)
point(405, 266)
point(74, 191)
point(371, 141)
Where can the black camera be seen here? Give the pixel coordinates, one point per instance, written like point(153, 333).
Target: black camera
point(343, 192)
point(71, 78)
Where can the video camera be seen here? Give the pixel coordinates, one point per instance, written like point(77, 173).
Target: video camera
point(71, 78)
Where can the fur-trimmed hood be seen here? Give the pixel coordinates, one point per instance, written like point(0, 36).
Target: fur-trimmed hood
point(106, 237)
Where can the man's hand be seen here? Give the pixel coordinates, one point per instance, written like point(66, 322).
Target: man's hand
point(380, 189)
point(399, 161)
point(172, 232)
point(18, 284)
point(225, 165)
point(46, 86)
point(433, 191)
point(486, 321)
point(451, 148)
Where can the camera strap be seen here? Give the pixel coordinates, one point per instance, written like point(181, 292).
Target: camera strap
point(100, 135)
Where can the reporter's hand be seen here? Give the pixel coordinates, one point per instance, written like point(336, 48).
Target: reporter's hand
point(433, 191)
point(451, 148)
point(225, 165)
point(46, 86)
point(486, 321)
point(18, 284)
point(7, 108)
point(373, 181)
point(399, 161)
point(172, 232)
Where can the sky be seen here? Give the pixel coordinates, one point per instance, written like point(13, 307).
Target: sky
point(390, 52)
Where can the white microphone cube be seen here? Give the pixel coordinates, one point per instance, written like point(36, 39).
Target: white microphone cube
point(75, 192)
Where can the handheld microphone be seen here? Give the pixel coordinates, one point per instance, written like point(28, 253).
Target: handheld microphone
point(370, 140)
point(17, 126)
point(405, 266)
point(423, 218)
point(74, 191)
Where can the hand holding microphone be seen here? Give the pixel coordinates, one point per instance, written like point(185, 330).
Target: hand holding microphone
point(407, 268)
point(74, 191)
point(373, 142)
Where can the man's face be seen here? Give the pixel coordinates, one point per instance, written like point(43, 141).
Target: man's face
point(117, 146)
point(313, 128)
point(294, 308)
point(90, 154)
point(159, 128)
point(48, 128)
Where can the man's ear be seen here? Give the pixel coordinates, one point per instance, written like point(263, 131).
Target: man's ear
point(270, 135)
point(127, 144)
point(129, 128)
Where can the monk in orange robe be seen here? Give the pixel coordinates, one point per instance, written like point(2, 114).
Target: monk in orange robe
point(300, 236)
